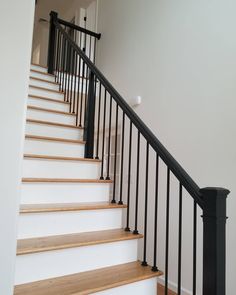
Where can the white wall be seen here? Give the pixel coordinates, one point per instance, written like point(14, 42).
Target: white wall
point(16, 37)
point(180, 57)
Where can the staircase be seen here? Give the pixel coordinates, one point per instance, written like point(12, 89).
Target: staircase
point(100, 192)
point(68, 230)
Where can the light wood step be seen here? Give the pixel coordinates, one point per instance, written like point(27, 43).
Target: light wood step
point(38, 65)
point(48, 99)
point(46, 89)
point(89, 282)
point(74, 159)
point(49, 111)
point(56, 139)
point(43, 80)
point(59, 242)
point(42, 208)
point(64, 180)
point(40, 122)
point(40, 72)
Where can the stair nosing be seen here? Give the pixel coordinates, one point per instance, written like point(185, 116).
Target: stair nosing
point(48, 99)
point(47, 89)
point(75, 244)
point(89, 276)
point(30, 107)
point(60, 158)
point(63, 180)
point(40, 122)
point(56, 139)
point(68, 207)
point(43, 73)
point(44, 81)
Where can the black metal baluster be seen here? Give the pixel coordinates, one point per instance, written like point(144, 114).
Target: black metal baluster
point(167, 231)
point(86, 87)
point(144, 263)
point(109, 142)
point(63, 66)
point(194, 246)
point(155, 268)
point(82, 94)
point(78, 94)
point(75, 82)
point(94, 52)
point(137, 186)
point(180, 240)
point(129, 177)
point(98, 124)
point(122, 160)
point(57, 55)
point(71, 78)
point(61, 63)
point(104, 131)
point(115, 157)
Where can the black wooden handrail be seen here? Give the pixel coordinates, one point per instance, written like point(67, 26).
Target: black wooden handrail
point(167, 158)
point(78, 28)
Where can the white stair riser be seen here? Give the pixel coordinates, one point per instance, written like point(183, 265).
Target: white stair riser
point(53, 148)
point(59, 223)
point(145, 287)
point(60, 169)
point(54, 131)
point(38, 68)
point(44, 84)
point(52, 117)
point(42, 76)
point(33, 193)
point(48, 104)
point(46, 93)
point(68, 261)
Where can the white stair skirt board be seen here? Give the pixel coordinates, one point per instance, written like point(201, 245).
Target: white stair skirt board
point(39, 193)
point(53, 148)
point(58, 223)
point(42, 75)
point(38, 68)
point(41, 103)
point(57, 263)
point(54, 131)
point(44, 84)
point(42, 168)
point(46, 93)
point(144, 287)
point(52, 117)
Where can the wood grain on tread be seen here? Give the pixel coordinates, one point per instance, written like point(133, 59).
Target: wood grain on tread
point(64, 180)
point(59, 242)
point(46, 89)
point(49, 111)
point(38, 65)
point(89, 282)
point(43, 80)
point(41, 208)
point(45, 138)
point(59, 158)
point(161, 290)
point(43, 73)
point(53, 124)
point(48, 99)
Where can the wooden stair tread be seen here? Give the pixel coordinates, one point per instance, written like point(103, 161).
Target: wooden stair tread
point(48, 99)
point(45, 157)
point(90, 281)
point(38, 65)
point(43, 80)
point(40, 122)
point(57, 139)
point(63, 180)
point(46, 89)
point(59, 242)
point(41, 208)
point(40, 72)
point(50, 111)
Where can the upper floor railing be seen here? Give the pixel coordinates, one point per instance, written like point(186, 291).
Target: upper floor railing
point(114, 133)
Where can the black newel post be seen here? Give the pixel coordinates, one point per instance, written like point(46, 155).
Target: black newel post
point(51, 42)
point(214, 240)
point(89, 119)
